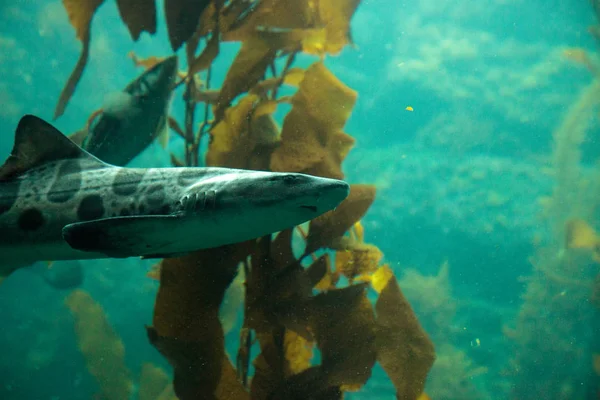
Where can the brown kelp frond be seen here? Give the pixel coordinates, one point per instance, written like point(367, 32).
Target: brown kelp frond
point(138, 16)
point(182, 19)
point(245, 137)
point(147, 62)
point(312, 140)
point(328, 229)
point(153, 382)
point(359, 259)
point(317, 27)
point(186, 327)
point(80, 15)
point(101, 347)
point(205, 59)
point(403, 348)
point(342, 323)
point(249, 66)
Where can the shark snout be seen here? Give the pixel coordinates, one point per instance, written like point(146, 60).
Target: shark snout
point(161, 77)
point(328, 194)
point(169, 67)
point(170, 64)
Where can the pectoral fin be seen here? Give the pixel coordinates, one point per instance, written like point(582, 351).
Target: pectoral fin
point(123, 237)
point(163, 132)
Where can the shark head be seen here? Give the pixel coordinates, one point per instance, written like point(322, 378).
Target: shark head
point(263, 202)
point(304, 195)
point(155, 83)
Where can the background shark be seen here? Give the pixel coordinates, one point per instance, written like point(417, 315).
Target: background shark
point(131, 120)
point(58, 202)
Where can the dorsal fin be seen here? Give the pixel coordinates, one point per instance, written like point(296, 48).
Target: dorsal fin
point(37, 143)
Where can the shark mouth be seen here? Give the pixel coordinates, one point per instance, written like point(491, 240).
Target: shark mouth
point(311, 208)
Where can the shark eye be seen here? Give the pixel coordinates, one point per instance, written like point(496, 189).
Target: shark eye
point(291, 179)
point(144, 86)
point(287, 179)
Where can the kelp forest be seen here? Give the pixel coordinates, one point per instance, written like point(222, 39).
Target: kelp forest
point(320, 308)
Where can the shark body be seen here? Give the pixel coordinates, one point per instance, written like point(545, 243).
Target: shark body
point(58, 202)
point(132, 119)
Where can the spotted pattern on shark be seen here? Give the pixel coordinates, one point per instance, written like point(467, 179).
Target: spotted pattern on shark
point(31, 219)
point(91, 207)
point(67, 182)
point(189, 176)
point(9, 195)
point(127, 181)
point(155, 196)
point(32, 190)
point(139, 191)
point(186, 177)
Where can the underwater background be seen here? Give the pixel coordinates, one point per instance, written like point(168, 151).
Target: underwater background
point(477, 122)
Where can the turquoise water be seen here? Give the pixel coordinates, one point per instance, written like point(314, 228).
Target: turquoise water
point(463, 180)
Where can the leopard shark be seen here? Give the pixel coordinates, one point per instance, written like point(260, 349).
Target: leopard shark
point(132, 119)
point(59, 202)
